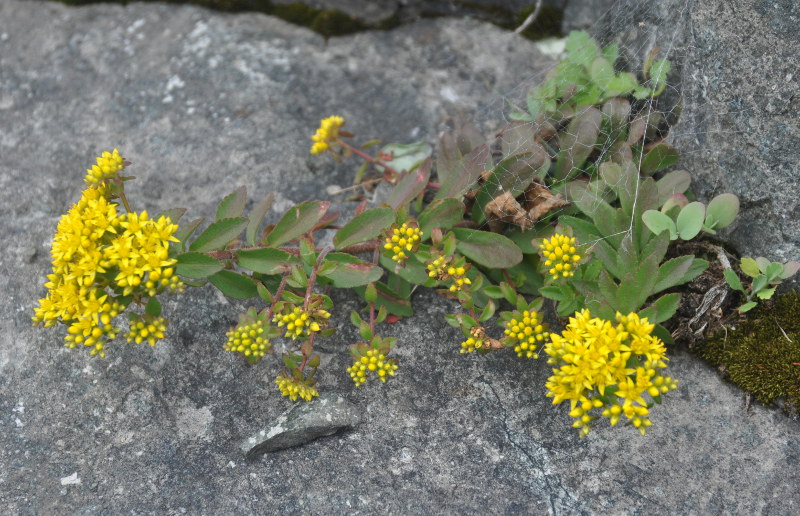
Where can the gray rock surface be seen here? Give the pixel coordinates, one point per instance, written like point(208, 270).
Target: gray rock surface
point(304, 422)
point(203, 102)
point(736, 67)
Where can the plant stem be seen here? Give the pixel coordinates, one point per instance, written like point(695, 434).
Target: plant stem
point(371, 159)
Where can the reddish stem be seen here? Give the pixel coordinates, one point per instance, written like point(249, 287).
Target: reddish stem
point(371, 159)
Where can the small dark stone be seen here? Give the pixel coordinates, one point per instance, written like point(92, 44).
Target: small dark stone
point(304, 422)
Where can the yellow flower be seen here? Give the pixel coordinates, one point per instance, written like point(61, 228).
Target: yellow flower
point(526, 333)
point(248, 338)
point(373, 361)
point(402, 239)
point(328, 132)
point(446, 268)
point(560, 254)
point(99, 258)
point(146, 328)
point(600, 365)
point(108, 165)
point(300, 323)
point(294, 388)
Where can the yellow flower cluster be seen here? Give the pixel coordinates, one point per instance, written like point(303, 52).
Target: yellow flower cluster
point(293, 388)
point(401, 239)
point(108, 165)
point(608, 367)
point(374, 361)
point(146, 328)
point(97, 252)
point(476, 341)
point(560, 255)
point(249, 340)
point(526, 332)
point(327, 132)
point(301, 324)
point(445, 268)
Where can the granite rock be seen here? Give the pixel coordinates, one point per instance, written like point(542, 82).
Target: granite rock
point(304, 422)
point(203, 102)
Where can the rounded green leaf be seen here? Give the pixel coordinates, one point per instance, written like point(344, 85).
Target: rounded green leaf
point(298, 220)
point(441, 213)
point(722, 211)
point(218, 234)
point(265, 261)
point(234, 285)
point(233, 204)
point(690, 220)
point(487, 249)
point(674, 182)
point(197, 265)
point(658, 222)
point(364, 227)
point(350, 272)
point(750, 267)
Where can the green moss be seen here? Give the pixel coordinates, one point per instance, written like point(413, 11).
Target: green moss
point(762, 355)
point(331, 22)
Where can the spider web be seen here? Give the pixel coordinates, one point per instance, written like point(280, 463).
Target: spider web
point(640, 30)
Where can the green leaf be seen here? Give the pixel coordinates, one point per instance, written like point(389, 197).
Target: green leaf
point(628, 295)
point(608, 256)
point(750, 267)
point(487, 249)
point(611, 53)
point(410, 185)
point(583, 230)
point(773, 271)
point(577, 142)
point(297, 221)
point(264, 293)
point(658, 222)
point(554, 292)
point(733, 280)
point(441, 213)
point(197, 265)
point(350, 271)
point(457, 172)
point(266, 260)
point(748, 306)
point(363, 227)
point(661, 156)
point(257, 217)
point(662, 308)
point(675, 181)
point(656, 247)
point(758, 283)
point(671, 272)
point(218, 235)
point(394, 302)
point(186, 230)
point(766, 293)
point(607, 288)
point(722, 211)
point(581, 48)
point(233, 204)
point(493, 291)
point(405, 156)
point(602, 72)
point(525, 239)
point(690, 220)
point(308, 253)
point(646, 278)
point(488, 312)
point(234, 285)
point(412, 271)
point(153, 307)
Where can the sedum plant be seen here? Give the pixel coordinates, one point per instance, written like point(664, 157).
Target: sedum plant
point(555, 209)
point(765, 276)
